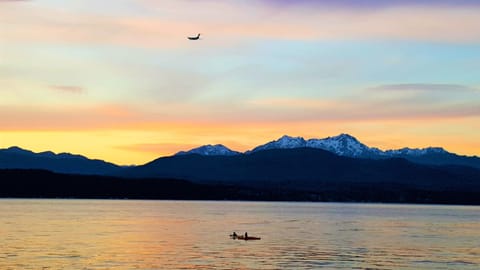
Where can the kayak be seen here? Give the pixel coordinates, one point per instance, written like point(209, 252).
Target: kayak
point(242, 237)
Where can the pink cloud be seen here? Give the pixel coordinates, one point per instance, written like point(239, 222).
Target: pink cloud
point(232, 22)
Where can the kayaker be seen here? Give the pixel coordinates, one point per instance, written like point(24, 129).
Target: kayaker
point(234, 235)
point(246, 235)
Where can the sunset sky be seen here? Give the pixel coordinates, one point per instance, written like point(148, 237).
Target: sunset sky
point(118, 80)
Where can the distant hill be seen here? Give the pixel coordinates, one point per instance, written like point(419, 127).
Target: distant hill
point(18, 158)
point(434, 156)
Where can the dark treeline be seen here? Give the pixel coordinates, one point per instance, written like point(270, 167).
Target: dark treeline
point(45, 184)
point(19, 183)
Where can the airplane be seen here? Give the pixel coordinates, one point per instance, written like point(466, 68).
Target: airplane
point(194, 38)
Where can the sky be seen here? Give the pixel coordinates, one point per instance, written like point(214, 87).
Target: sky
point(119, 80)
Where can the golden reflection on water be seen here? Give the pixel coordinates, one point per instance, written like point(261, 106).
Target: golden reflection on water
point(96, 234)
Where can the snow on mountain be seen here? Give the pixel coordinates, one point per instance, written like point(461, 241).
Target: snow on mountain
point(285, 142)
point(343, 144)
point(416, 151)
point(210, 150)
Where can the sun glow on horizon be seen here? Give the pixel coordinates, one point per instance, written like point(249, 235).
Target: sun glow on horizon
point(129, 146)
point(120, 81)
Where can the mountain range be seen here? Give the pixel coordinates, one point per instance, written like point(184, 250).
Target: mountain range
point(348, 146)
point(305, 169)
point(18, 158)
point(338, 168)
point(342, 145)
point(293, 163)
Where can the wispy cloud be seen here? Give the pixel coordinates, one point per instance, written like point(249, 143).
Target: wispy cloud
point(68, 89)
point(67, 117)
point(370, 106)
point(423, 87)
point(265, 67)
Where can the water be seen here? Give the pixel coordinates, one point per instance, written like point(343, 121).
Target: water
point(109, 234)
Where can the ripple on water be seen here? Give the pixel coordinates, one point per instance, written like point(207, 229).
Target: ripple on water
point(92, 234)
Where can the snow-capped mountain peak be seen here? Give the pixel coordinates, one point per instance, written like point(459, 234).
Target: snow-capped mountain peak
point(344, 145)
point(210, 150)
point(290, 142)
point(344, 137)
point(284, 142)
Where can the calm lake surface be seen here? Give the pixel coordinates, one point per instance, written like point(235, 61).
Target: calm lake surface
point(123, 234)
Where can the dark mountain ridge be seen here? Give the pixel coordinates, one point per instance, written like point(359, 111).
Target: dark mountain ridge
point(340, 164)
point(306, 169)
point(18, 158)
point(293, 174)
